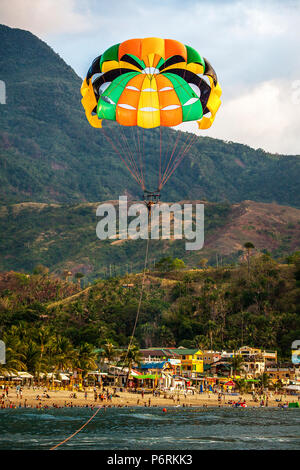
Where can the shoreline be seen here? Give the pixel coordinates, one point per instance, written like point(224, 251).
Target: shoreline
point(36, 399)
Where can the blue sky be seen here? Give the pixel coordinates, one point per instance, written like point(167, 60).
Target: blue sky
point(253, 45)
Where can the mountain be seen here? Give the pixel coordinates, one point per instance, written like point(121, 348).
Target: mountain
point(50, 154)
point(63, 237)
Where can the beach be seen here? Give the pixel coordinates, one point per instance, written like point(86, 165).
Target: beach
point(38, 397)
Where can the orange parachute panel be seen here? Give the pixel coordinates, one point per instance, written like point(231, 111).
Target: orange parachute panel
point(173, 47)
point(132, 46)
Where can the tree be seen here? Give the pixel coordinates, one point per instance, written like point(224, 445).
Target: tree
point(86, 358)
point(241, 385)
point(211, 328)
point(32, 356)
point(248, 246)
point(178, 264)
point(41, 270)
point(236, 364)
point(201, 342)
point(14, 359)
point(78, 277)
point(67, 274)
point(130, 357)
point(264, 380)
point(109, 352)
point(169, 264)
point(147, 332)
point(44, 339)
point(203, 262)
point(62, 353)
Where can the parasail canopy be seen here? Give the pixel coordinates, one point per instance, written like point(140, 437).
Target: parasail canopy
point(149, 83)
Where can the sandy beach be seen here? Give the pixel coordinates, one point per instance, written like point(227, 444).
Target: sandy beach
point(37, 398)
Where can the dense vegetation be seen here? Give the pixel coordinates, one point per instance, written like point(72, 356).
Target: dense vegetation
point(210, 308)
point(49, 152)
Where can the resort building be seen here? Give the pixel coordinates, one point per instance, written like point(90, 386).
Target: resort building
point(154, 367)
point(253, 366)
point(191, 361)
point(156, 355)
point(267, 357)
point(283, 374)
point(209, 357)
point(186, 362)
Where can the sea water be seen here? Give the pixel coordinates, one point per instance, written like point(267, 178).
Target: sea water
point(151, 428)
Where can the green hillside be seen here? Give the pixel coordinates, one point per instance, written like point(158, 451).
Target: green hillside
point(64, 237)
point(49, 152)
point(210, 308)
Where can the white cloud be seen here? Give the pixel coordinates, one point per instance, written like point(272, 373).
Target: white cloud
point(253, 45)
point(43, 17)
point(266, 116)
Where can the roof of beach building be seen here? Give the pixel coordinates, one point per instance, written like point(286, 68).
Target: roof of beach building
point(184, 352)
point(153, 365)
point(156, 352)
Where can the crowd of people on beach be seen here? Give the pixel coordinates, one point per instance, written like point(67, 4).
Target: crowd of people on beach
point(103, 397)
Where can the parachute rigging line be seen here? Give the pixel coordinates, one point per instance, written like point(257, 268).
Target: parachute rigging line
point(141, 294)
point(76, 432)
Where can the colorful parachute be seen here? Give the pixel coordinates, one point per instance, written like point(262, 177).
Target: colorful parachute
point(151, 82)
point(148, 83)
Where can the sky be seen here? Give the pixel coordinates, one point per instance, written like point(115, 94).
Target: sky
point(252, 45)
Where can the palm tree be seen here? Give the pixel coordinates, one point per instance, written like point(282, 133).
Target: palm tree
point(130, 357)
point(61, 352)
point(236, 364)
point(78, 277)
point(32, 356)
point(14, 360)
point(211, 328)
point(203, 262)
point(264, 380)
point(44, 340)
point(201, 342)
point(109, 352)
point(86, 358)
point(249, 246)
point(241, 385)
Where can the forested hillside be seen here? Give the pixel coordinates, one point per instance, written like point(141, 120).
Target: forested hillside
point(212, 308)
